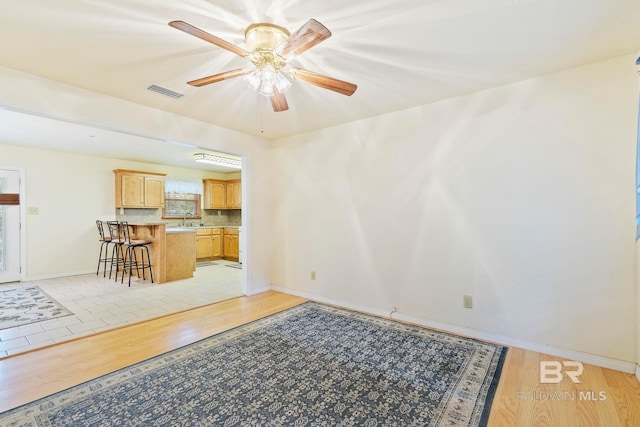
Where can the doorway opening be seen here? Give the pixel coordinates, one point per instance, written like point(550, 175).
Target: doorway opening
point(10, 229)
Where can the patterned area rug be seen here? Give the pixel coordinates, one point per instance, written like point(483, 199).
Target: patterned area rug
point(21, 306)
point(206, 263)
point(309, 365)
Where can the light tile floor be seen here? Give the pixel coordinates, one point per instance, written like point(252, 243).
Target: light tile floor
point(99, 304)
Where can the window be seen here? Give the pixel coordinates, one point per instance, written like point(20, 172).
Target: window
point(182, 199)
point(181, 205)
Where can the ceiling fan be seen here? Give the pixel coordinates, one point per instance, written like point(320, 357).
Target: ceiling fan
point(270, 48)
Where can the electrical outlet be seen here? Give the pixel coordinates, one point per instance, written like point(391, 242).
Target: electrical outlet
point(394, 308)
point(313, 275)
point(467, 301)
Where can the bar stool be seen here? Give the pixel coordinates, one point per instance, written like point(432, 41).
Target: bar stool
point(105, 241)
point(116, 252)
point(130, 258)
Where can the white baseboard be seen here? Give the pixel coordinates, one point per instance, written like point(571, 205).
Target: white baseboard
point(258, 290)
point(601, 361)
point(56, 276)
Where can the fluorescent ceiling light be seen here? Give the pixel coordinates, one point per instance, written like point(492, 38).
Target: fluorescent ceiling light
point(217, 160)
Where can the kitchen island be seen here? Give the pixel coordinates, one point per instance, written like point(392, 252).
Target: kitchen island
point(181, 253)
point(172, 250)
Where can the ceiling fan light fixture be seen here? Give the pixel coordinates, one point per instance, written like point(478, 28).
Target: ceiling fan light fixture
point(264, 36)
point(282, 82)
point(268, 73)
point(266, 88)
point(253, 80)
point(268, 80)
point(262, 39)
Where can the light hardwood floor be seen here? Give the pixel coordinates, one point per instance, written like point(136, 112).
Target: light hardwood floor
point(520, 399)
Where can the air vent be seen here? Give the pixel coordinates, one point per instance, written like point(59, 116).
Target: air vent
point(165, 91)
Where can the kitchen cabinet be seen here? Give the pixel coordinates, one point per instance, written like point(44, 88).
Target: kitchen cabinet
point(233, 194)
point(222, 194)
point(231, 244)
point(203, 244)
point(135, 189)
point(215, 194)
point(209, 243)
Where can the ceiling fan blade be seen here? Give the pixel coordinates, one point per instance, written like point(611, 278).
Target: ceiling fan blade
point(307, 36)
point(201, 34)
point(279, 101)
point(219, 77)
point(325, 82)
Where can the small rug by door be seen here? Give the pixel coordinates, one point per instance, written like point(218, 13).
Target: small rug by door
point(206, 263)
point(21, 306)
point(309, 365)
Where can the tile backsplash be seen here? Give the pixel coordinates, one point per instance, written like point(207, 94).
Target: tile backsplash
point(213, 217)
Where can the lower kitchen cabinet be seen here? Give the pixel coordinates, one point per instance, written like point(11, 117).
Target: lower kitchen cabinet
point(231, 244)
point(209, 243)
point(216, 243)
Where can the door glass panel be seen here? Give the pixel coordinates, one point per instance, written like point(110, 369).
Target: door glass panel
point(3, 221)
point(10, 239)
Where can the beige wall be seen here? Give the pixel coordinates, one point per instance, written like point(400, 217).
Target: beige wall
point(638, 256)
point(638, 312)
point(521, 196)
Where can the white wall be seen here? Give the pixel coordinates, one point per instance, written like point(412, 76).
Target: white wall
point(637, 368)
point(638, 254)
point(41, 96)
point(521, 196)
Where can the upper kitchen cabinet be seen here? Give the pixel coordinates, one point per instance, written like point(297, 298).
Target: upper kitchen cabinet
point(135, 189)
point(222, 194)
point(214, 194)
point(234, 194)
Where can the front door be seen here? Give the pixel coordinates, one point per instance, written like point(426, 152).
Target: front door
point(9, 225)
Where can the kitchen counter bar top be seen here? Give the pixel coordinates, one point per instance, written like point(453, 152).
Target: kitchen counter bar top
point(195, 227)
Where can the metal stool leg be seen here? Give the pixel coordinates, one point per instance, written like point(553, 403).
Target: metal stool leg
point(149, 260)
point(100, 257)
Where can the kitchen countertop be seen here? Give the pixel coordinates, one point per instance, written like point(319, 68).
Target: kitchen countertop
point(181, 229)
point(195, 227)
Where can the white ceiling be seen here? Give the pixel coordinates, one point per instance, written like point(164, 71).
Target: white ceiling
point(20, 128)
point(400, 53)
